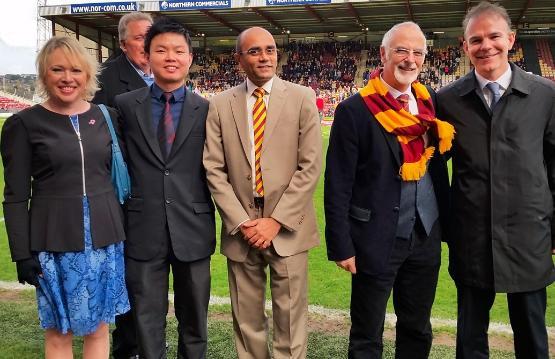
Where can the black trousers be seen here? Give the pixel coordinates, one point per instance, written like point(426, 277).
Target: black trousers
point(124, 337)
point(527, 315)
point(412, 274)
point(147, 282)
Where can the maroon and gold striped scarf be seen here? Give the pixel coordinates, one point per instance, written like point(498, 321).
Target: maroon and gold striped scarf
point(408, 128)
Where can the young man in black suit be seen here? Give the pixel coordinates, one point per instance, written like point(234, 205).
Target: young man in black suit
point(129, 70)
point(385, 198)
point(170, 216)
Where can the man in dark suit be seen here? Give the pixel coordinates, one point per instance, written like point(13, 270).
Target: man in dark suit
point(126, 72)
point(170, 216)
point(130, 70)
point(502, 189)
point(385, 196)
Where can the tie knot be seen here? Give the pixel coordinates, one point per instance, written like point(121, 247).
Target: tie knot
point(403, 99)
point(493, 87)
point(167, 96)
point(259, 92)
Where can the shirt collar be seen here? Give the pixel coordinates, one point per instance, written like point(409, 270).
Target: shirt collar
point(504, 80)
point(396, 93)
point(251, 86)
point(178, 94)
point(139, 71)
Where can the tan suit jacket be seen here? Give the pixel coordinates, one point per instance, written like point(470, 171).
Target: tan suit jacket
point(291, 162)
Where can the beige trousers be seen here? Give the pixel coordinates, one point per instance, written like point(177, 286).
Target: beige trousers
point(288, 285)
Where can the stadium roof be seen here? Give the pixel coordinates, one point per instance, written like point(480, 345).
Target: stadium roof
point(221, 18)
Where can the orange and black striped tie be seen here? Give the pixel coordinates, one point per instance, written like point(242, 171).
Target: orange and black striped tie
point(259, 122)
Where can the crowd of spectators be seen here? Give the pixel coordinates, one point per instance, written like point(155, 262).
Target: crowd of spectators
point(213, 74)
point(322, 65)
point(328, 67)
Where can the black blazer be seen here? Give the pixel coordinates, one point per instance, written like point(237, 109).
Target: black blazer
point(117, 77)
point(172, 194)
point(362, 187)
point(42, 163)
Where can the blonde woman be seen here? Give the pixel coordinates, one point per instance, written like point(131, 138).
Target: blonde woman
point(64, 224)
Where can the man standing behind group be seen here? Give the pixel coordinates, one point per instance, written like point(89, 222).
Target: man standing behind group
point(263, 160)
point(127, 72)
point(385, 198)
point(502, 190)
point(130, 70)
point(170, 216)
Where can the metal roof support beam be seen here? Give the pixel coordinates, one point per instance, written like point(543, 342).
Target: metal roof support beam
point(87, 24)
point(267, 18)
point(523, 13)
point(409, 10)
point(99, 46)
point(314, 13)
point(221, 21)
point(355, 14)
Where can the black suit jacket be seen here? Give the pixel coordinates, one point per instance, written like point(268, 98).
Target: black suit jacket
point(117, 77)
point(43, 193)
point(363, 187)
point(170, 193)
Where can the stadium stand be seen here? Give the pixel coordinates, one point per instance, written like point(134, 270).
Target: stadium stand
point(545, 58)
point(9, 103)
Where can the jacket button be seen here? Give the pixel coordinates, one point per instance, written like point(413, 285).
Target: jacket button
point(249, 177)
point(166, 172)
point(395, 209)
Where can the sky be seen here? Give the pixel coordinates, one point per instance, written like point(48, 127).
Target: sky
point(18, 20)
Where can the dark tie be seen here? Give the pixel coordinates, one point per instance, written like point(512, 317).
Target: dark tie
point(493, 87)
point(166, 131)
point(404, 101)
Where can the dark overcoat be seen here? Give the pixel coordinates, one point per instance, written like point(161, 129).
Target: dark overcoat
point(117, 76)
point(503, 183)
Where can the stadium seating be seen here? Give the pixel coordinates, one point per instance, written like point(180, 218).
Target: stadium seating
point(545, 57)
point(336, 70)
point(9, 104)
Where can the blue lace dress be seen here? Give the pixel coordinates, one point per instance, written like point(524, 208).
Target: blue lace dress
point(80, 290)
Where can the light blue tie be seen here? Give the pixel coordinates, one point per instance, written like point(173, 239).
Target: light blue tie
point(493, 87)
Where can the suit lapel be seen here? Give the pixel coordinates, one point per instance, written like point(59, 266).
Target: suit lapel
point(189, 115)
point(275, 106)
point(143, 112)
point(238, 104)
point(128, 75)
point(470, 84)
point(393, 144)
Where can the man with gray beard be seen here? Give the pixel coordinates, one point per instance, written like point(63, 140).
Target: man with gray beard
point(385, 196)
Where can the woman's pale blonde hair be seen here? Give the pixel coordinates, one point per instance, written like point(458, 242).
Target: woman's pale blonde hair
point(77, 55)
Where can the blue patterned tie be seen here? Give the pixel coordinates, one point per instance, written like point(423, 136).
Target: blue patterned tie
point(166, 131)
point(493, 87)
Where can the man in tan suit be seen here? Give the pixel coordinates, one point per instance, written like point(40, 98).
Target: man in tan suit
point(263, 160)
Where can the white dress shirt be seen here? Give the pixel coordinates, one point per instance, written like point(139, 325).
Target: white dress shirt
point(503, 81)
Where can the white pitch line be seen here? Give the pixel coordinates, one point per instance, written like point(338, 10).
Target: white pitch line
point(329, 313)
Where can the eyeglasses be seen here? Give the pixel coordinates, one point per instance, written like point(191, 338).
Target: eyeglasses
point(403, 52)
point(257, 51)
